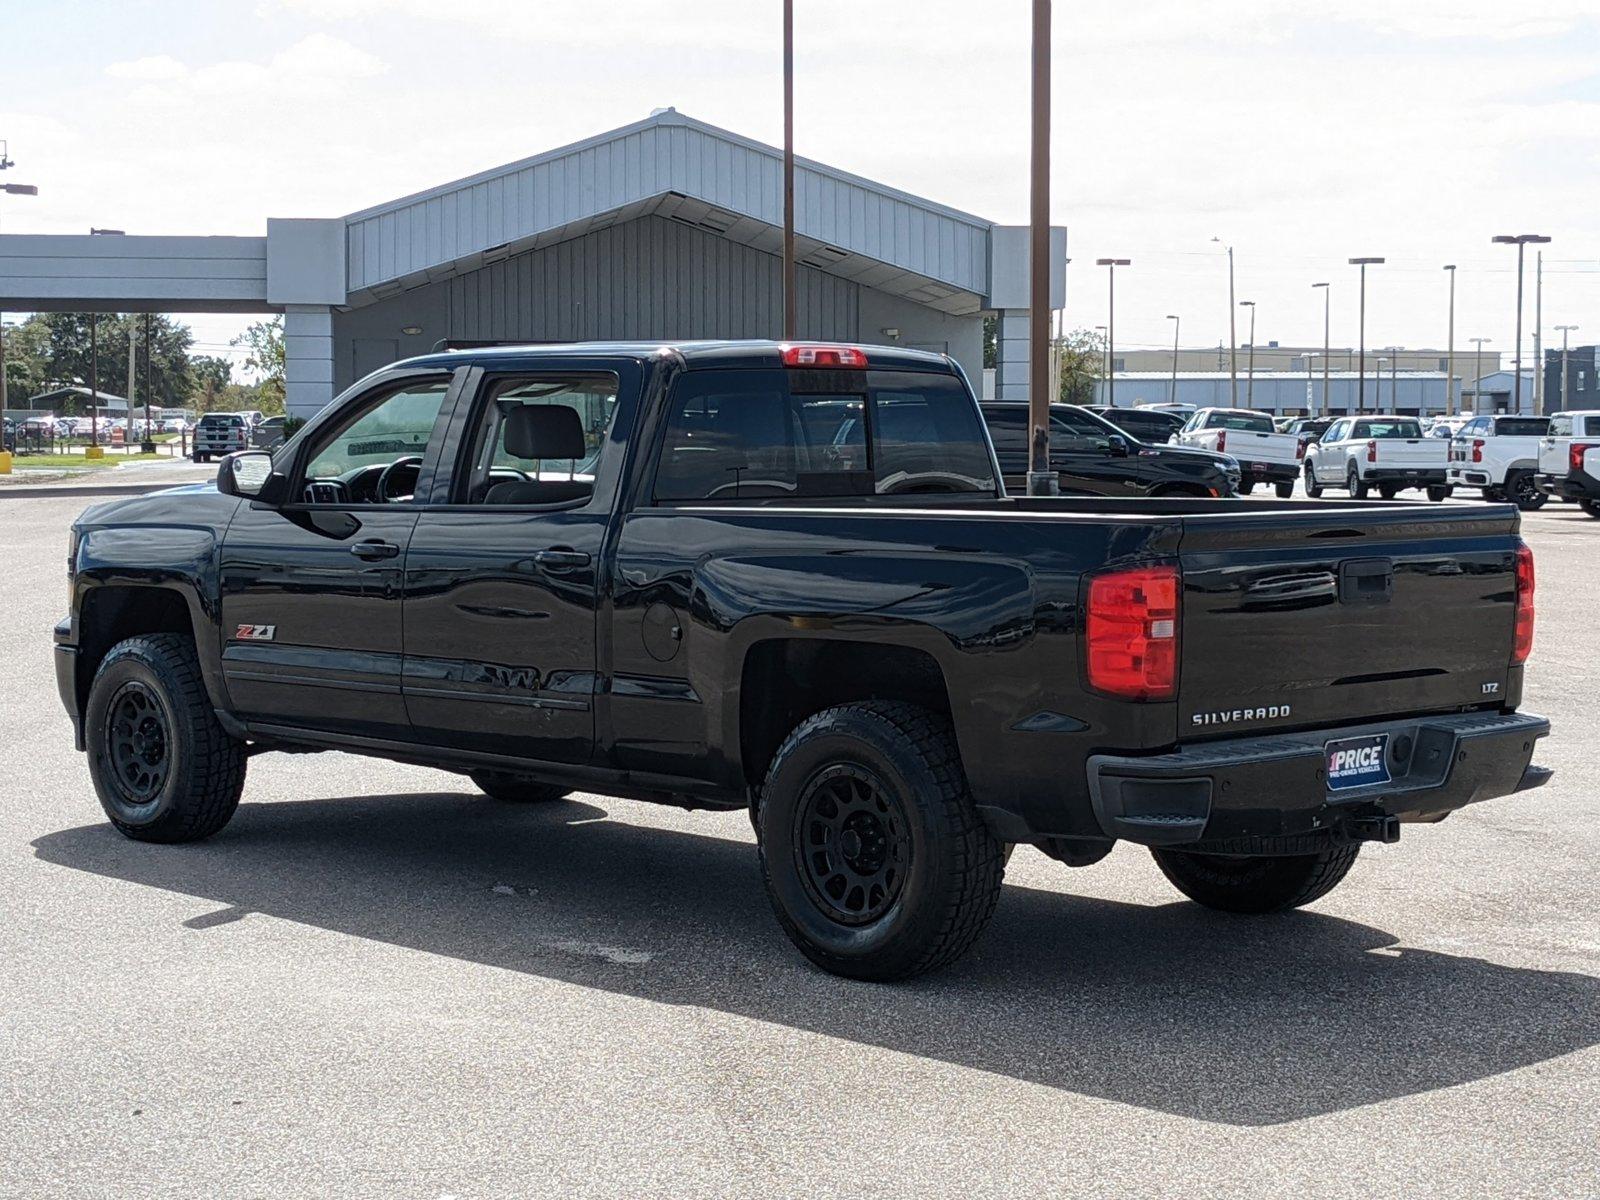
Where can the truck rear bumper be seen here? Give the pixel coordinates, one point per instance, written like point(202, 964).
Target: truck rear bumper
point(1569, 487)
point(1406, 476)
point(1467, 477)
point(1269, 472)
point(1240, 795)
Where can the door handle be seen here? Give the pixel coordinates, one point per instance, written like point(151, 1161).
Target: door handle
point(561, 559)
point(373, 550)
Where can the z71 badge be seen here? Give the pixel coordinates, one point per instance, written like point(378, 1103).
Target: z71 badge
point(255, 633)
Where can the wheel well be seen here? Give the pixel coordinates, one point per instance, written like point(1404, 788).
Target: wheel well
point(112, 613)
point(786, 680)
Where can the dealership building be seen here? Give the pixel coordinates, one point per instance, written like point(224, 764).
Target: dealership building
point(665, 229)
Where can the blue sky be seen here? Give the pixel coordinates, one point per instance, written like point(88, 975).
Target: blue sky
point(1414, 129)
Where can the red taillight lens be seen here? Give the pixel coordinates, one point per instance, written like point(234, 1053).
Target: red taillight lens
point(1477, 449)
point(1372, 451)
point(1575, 453)
point(1522, 636)
point(822, 356)
point(1222, 440)
point(1131, 633)
point(1300, 447)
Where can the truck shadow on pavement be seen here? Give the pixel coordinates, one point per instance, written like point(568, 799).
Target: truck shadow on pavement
point(1171, 1008)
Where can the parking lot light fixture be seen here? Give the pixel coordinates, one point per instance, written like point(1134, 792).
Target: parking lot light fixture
point(1563, 330)
point(1477, 369)
point(1520, 241)
point(1361, 370)
point(1250, 369)
point(1176, 325)
point(1111, 324)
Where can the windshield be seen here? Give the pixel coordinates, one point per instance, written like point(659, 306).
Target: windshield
point(1521, 426)
point(1373, 430)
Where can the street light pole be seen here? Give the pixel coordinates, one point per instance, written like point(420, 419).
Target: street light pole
point(1042, 480)
point(1377, 382)
point(1538, 334)
point(1105, 359)
point(1111, 321)
point(1519, 240)
point(1477, 370)
point(1233, 336)
point(1327, 326)
point(1564, 329)
point(1361, 378)
point(1250, 369)
point(147, 444)
point(1449, 352)
point(1176, 324)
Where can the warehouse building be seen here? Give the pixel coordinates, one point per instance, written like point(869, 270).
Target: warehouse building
point(665, 229)
point(1284, 392)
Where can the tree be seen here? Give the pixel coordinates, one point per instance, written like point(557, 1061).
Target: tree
point(1082, 357)
point(991, 345)
point(62, 352)
point(211, 370)
point(264, 341)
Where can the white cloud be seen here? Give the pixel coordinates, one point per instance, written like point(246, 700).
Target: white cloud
point(158, 66)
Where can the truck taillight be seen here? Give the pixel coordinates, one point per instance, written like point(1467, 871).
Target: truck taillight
point(1300, 447)
point(1522, 635)
point(1477, 449)
point(1372, 451)
point(1575, 453)
point(1131, 633)
point(1222, 440)
point(822, 356)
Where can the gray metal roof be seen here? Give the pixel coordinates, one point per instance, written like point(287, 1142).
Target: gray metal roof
point(674, 166)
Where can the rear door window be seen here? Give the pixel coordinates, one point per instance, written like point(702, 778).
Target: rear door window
point(744, 435)
point(1521, 426)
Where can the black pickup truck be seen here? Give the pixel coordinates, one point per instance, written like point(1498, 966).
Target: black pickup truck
point(787, 579)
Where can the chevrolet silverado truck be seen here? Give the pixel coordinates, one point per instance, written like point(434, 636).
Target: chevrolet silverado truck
point(1388, 454)
point(1264, 454)
point(1500, 454)
point(787, 579)
point(1569, 459)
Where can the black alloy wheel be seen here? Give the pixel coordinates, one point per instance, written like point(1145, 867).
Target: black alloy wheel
point(852, 844)
point(1524, 493)
point(138, 741)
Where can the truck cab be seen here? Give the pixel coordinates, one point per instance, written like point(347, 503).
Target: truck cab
point(1500, 454)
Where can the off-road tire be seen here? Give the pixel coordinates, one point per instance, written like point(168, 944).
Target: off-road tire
point(1284, 488)
point(952, 866)
point(1256, 883)
point(1355, 485)
point(1313, 488)
point(204, 771)
point(1521, 491)
point(516, 789)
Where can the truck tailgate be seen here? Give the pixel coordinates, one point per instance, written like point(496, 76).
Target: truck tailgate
point(1309, 619)
point(1250, 447)
point(1412, 452)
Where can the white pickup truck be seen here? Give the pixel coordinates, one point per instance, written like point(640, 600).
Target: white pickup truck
point(1569, 459)
point(1499, 454)
point(1263, 454)
point(1387, 453)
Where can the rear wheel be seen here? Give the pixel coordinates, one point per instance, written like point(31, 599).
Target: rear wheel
point(1355, 485)
point(164, 769)
point(874, 858)
point(1439, 492)
point(1592, 507)
point(516, 789)
point(1255, 883)
point(1388, 491)
point(1284, 488)
point(1313, 488)
point(1521, 490)
point(1246, 486)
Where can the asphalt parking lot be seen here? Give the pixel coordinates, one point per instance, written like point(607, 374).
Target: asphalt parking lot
point(376, 982)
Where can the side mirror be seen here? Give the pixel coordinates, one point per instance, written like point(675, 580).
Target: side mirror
point(1117, 445)
point(244, 473)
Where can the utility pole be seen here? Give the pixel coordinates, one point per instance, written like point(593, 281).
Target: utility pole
point(1042, 480)
point(1538, 334)
point(1233, 335)
point(790, 291)
point(94, 384)
point(1565, 329)
point(1327, 326)
point(1520, 241)
point(1176, 324)
point(2, 373)
point(1111, 322)
point(1477, 370)
point(1361, 378)
point(133, 361)
point(1449, 352)
point(1105, 360)
point(1250, 369)
point(147, 444)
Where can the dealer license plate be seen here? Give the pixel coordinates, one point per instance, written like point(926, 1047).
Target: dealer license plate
point(1357, 762)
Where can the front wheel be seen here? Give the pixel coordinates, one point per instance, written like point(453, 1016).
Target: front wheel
point(1284, 488)
point(1255, 883)
point(164, 769)
point(516, 789)
point(1313, 488)
point(874, 858)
